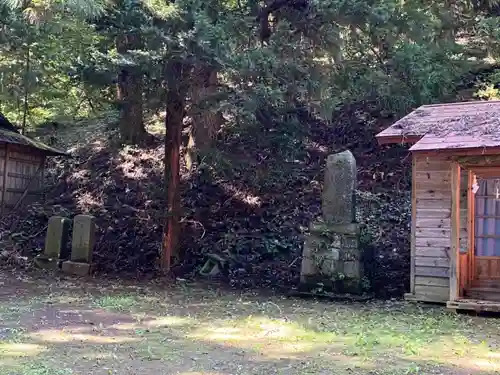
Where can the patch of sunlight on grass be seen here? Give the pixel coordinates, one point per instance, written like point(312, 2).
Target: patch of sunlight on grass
point(161, 322)
point(460, 352)
point(118, 303)
point(256, 328)
point(98, 355)
point(373, 331)
point(483, 364)
point(59, 336)
point(432, 336)
point(360, 336)
point(66, 299)
point(13, 311)
point(32, 369)
point(11, 349)
point(494, 355)
point(269, 337)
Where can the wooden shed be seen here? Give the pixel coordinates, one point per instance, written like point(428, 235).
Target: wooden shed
point(22, 162)
point(455, 229)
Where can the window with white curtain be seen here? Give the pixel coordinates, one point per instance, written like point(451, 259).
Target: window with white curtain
point(487, 217)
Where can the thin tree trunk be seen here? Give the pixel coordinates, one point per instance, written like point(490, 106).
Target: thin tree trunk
point(206, 122)
point(173, 122)
point(129, 90)
point(26, 90)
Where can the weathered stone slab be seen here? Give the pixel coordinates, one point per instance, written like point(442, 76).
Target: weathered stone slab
point(56, 241)
point(76, 268)
point(82, 246)
point(83, 240)
point(338, 206)
point(308, 266)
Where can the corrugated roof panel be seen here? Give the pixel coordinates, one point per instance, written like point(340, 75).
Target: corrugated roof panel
point(455, 126)
point(430, 142)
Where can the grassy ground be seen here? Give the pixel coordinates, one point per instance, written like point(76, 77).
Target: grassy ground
point(64, 327)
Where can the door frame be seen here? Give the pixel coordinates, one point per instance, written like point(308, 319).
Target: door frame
point(474, 172)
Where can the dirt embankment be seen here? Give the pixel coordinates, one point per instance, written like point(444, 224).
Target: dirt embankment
point(253, 198)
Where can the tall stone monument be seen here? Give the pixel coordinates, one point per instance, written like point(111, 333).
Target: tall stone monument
point(331, 257)
point(56, 240)
point(82, 246)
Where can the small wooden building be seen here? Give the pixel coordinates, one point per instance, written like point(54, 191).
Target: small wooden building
point(22, 162)
point(455, 231)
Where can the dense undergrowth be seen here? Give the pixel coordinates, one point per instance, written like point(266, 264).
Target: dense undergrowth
point(248, 200)
point(251, 198)
point(260, 92)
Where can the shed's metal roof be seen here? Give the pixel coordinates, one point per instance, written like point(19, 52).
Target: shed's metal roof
point(448, 126)
point(7, 136)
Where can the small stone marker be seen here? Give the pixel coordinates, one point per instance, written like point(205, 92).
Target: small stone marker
point(331, 257)
point(56, 241)
point(82, 246)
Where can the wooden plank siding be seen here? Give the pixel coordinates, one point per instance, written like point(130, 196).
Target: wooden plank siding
point(19, 166)
point(432, 218)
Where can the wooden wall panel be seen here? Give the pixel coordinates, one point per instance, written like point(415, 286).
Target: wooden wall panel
point(432, 216)
point(23, 168)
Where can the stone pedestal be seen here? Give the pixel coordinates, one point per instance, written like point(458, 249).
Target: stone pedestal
point(76, 268)
point(56, 241)
point(332, 259)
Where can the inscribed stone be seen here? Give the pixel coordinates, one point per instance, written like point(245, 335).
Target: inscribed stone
point(83, 239)
point(338, 193)
point(57, 237)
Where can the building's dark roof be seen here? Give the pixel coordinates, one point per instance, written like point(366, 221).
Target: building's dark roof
point(10, 134)
point(4, 123)
point(448, 126)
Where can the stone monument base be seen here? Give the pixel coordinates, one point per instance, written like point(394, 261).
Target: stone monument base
point(76, 268)
point(44, 262)
point(331, 259)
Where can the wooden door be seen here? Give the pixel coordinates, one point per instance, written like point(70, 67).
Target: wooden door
point(485, 263)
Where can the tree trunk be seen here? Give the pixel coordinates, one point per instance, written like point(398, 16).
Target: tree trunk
point(129, 89)
point(26, 89)
point(206, 122)
point(173, 122)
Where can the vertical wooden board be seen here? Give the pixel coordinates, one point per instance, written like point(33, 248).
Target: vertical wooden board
point(20, 172)
point(5, 180)
point(463, 273)
point(487, 268)
point(481, 268)
point(41, 180)
point(455, 228)
point(471, 204)
point(413, 243)
point(2, 168)
point(495, 268)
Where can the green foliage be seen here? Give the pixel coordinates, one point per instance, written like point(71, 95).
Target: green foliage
point(37, 61)
point(396, 54)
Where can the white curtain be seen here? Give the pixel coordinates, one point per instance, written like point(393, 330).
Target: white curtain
point(487, 218)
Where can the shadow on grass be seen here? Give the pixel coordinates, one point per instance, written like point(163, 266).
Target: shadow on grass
point(187, 330)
